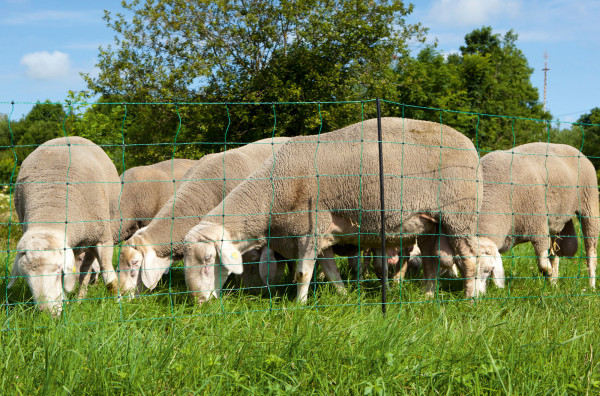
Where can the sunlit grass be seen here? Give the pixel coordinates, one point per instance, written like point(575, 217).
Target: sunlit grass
point(529, 338)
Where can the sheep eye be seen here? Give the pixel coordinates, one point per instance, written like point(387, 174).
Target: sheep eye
point(207, 257)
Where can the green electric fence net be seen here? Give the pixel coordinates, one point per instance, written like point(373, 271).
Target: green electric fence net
point(153, 267)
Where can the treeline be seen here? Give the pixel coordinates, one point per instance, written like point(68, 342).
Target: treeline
point(201, 59)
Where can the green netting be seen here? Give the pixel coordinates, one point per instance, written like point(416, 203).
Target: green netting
point(171, 297)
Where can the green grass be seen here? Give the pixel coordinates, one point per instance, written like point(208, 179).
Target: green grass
point(529, 338)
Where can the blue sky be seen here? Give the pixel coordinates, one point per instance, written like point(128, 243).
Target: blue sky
point(46, 44)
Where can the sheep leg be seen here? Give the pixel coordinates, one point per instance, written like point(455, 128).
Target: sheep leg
point(331, 270)
point(105, 253)
point(85, 274)
point(430, 265)
point(591, 259)
point(353, 266)
point(541, 246)
point(430, 275)
point(376, 263)
point(554, 261)
point(589, 228)
point(402, 274)
point(406, 256)
point(356, 264)
point(304, 268)
point(304, 272)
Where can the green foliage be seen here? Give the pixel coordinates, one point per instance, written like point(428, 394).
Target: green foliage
point(490, 75)
point(261, 51)
point(590, 135)
point(42, 123)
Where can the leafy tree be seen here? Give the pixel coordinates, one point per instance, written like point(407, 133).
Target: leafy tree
point(588, 128)
point(490, 75)
point(42, 123)
point(259, 51)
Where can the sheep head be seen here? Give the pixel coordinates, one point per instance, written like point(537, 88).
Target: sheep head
point(210, 256)
point(47, 264)
point(489, 264)
point(139, 266)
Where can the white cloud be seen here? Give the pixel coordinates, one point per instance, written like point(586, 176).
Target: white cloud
point(46, 66)
point(471, 12)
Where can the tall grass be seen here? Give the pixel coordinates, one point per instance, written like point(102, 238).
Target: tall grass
point(529, 338)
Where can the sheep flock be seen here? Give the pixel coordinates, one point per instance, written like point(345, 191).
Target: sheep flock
point(251, 212)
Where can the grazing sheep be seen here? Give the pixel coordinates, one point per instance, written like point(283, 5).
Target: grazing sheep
point(145, 256)
point(438, 259)
point(145, 191)
point(531, 194)
point(65, 196)
point(318, 191)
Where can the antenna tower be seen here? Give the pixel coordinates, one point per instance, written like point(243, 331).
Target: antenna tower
point(545, 69)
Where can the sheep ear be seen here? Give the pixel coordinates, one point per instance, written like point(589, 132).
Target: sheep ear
point(231, 258)
point(498, 272)
point(69, 271)
point(14, 273)
point(152, 268)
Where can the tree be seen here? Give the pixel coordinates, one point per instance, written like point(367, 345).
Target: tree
point(42, 123)
point(252, 51)
point(490, 75)
point(588, 129)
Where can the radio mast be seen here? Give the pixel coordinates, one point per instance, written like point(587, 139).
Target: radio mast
point(545, 69)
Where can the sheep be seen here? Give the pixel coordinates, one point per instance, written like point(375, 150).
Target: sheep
point(324, 190)
point(65, 196)
point(145, 256)
point(531, 194)
point(145, 191)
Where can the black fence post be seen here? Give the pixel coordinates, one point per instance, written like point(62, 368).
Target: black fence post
point(384, 266)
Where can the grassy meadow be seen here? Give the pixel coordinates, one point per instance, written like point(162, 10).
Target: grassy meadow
point(528, 338)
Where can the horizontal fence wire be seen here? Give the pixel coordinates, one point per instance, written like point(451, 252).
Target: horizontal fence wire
point(293, 231)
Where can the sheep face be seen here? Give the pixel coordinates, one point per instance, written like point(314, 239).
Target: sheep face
point(489, 264)
point(204, 274)
point(48, 267)
point(210, 257)
point(139, 266)
point(130, 262)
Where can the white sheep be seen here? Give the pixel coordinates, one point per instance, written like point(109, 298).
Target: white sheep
point(318, 191)
point(65, 195)
point(145, 191)
point(147, 255)
point(531, 194)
